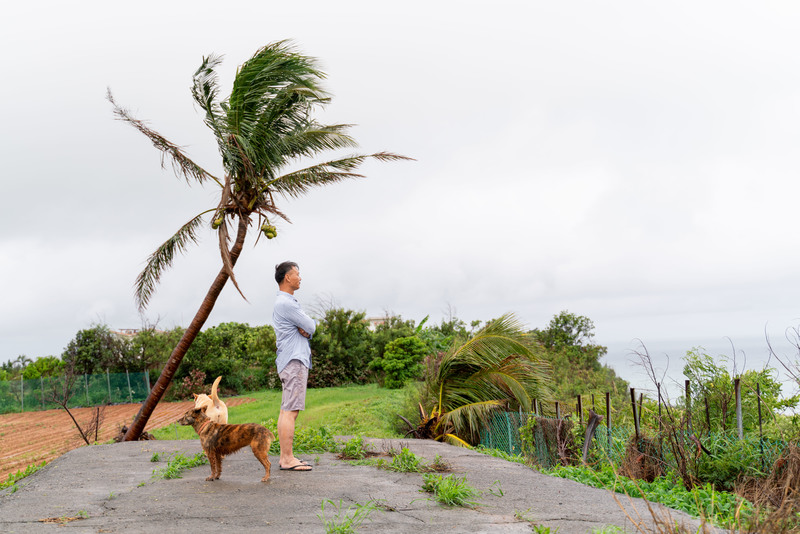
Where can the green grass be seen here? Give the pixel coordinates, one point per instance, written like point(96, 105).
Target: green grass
point(19, 475)
point(450, 490)
point(345, 521)
point(178, 464)
point(351, 410)
point(718, 507)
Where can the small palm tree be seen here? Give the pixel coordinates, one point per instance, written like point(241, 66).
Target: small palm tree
point(497, 368)
point(263, 127)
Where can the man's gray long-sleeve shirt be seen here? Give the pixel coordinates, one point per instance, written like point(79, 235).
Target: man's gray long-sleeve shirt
point(287, 316)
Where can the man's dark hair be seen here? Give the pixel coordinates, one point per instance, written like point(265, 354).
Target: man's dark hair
point(283, 268)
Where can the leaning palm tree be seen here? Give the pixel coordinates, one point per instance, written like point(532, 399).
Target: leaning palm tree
point(499, 367)
point(263, 127)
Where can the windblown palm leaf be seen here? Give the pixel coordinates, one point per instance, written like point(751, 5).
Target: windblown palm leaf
point(262, 128)
point(497, 368)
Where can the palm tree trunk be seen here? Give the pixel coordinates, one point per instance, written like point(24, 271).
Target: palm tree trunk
point(191, 332)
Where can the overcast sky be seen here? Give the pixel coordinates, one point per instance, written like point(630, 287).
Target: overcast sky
point(634, 162)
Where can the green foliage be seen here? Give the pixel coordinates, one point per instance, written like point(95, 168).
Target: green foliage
point(178, 463)
point(150, 348)
point(450, 490)
point(576, 367)
point(497, 453)
point(711, 383)
point(401, 361)
point(336, 411)
point(731, 460)
point(346, 521)
point(43, 367)
point(719, 508)
point(440, 337)
point(20, 474)
point(572, 334)
point(354, 449)
point(499, 367)
point(95, 349)
point(406, 462)
point(392, 327)
point(340, 349)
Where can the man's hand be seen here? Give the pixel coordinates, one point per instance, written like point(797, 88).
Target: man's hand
point(304, 333)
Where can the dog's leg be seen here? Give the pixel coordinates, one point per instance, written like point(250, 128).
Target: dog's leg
point(210, 456)
point(213, 461)
point(260, 446)
point(218, 458)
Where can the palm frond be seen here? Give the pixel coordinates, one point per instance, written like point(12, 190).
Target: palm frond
point(182, 165)
point(499, 366)
point(160, 260)
point(205, 88)
point(297, 183)
point(467, 420)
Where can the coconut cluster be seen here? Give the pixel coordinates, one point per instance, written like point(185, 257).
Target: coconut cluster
point(269, 230)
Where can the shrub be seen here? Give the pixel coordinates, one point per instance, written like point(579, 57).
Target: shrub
point(401, 361)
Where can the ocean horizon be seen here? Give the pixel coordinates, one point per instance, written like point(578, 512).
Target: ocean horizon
point(667, 356)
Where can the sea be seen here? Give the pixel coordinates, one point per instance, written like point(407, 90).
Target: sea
point(667, 356)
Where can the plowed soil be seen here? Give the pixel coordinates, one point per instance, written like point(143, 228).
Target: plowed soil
point(32, 437)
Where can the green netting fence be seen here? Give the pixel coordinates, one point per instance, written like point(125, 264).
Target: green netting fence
point(86, 390)
point(503, 433)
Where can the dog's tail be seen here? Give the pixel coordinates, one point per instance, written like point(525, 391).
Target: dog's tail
point(214, 396)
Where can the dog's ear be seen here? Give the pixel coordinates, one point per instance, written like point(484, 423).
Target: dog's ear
point(194, 395)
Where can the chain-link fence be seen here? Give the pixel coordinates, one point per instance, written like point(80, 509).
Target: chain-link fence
point(86, 390)
point(503, 433)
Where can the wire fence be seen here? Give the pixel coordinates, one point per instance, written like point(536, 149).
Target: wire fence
point(86, 390)
point(610, 444)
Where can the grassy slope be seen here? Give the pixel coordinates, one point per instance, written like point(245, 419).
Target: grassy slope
point(352, 410)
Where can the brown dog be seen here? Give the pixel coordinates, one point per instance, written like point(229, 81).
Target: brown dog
point(219, 440)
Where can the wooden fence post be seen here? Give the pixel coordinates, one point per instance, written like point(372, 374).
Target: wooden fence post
point(608, 420)
point(688, 404)
point(737, 388)
point(635, 415)
point(558, 410)
point(760, 429)
point(580, 411)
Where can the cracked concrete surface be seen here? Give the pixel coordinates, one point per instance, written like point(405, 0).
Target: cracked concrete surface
point(109, 488)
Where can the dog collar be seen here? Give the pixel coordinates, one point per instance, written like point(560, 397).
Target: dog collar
point(203, 425)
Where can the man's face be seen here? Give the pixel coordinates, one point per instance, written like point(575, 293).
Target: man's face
point(292, 278)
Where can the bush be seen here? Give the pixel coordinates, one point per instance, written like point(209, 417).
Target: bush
point(401, 361)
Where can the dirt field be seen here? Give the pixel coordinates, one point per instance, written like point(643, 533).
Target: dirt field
point(32, 437)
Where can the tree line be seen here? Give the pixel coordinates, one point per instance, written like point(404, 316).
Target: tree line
point(346, 349)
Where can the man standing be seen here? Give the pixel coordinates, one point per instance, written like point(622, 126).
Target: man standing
point(293, 329)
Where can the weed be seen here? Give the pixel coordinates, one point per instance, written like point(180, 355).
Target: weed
point(717, 507)
point(155, 458)
point(19, 475)
point(450, 490)
point(406, 462)
point(440, 464)
point(497, 453)
point(111, 496)
point(541, 529)
point(348, 520)
point(178, 464)
point(354, 449)
point(608, 529)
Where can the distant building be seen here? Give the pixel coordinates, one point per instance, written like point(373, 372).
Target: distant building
point(374, 322)
point(126, 333)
